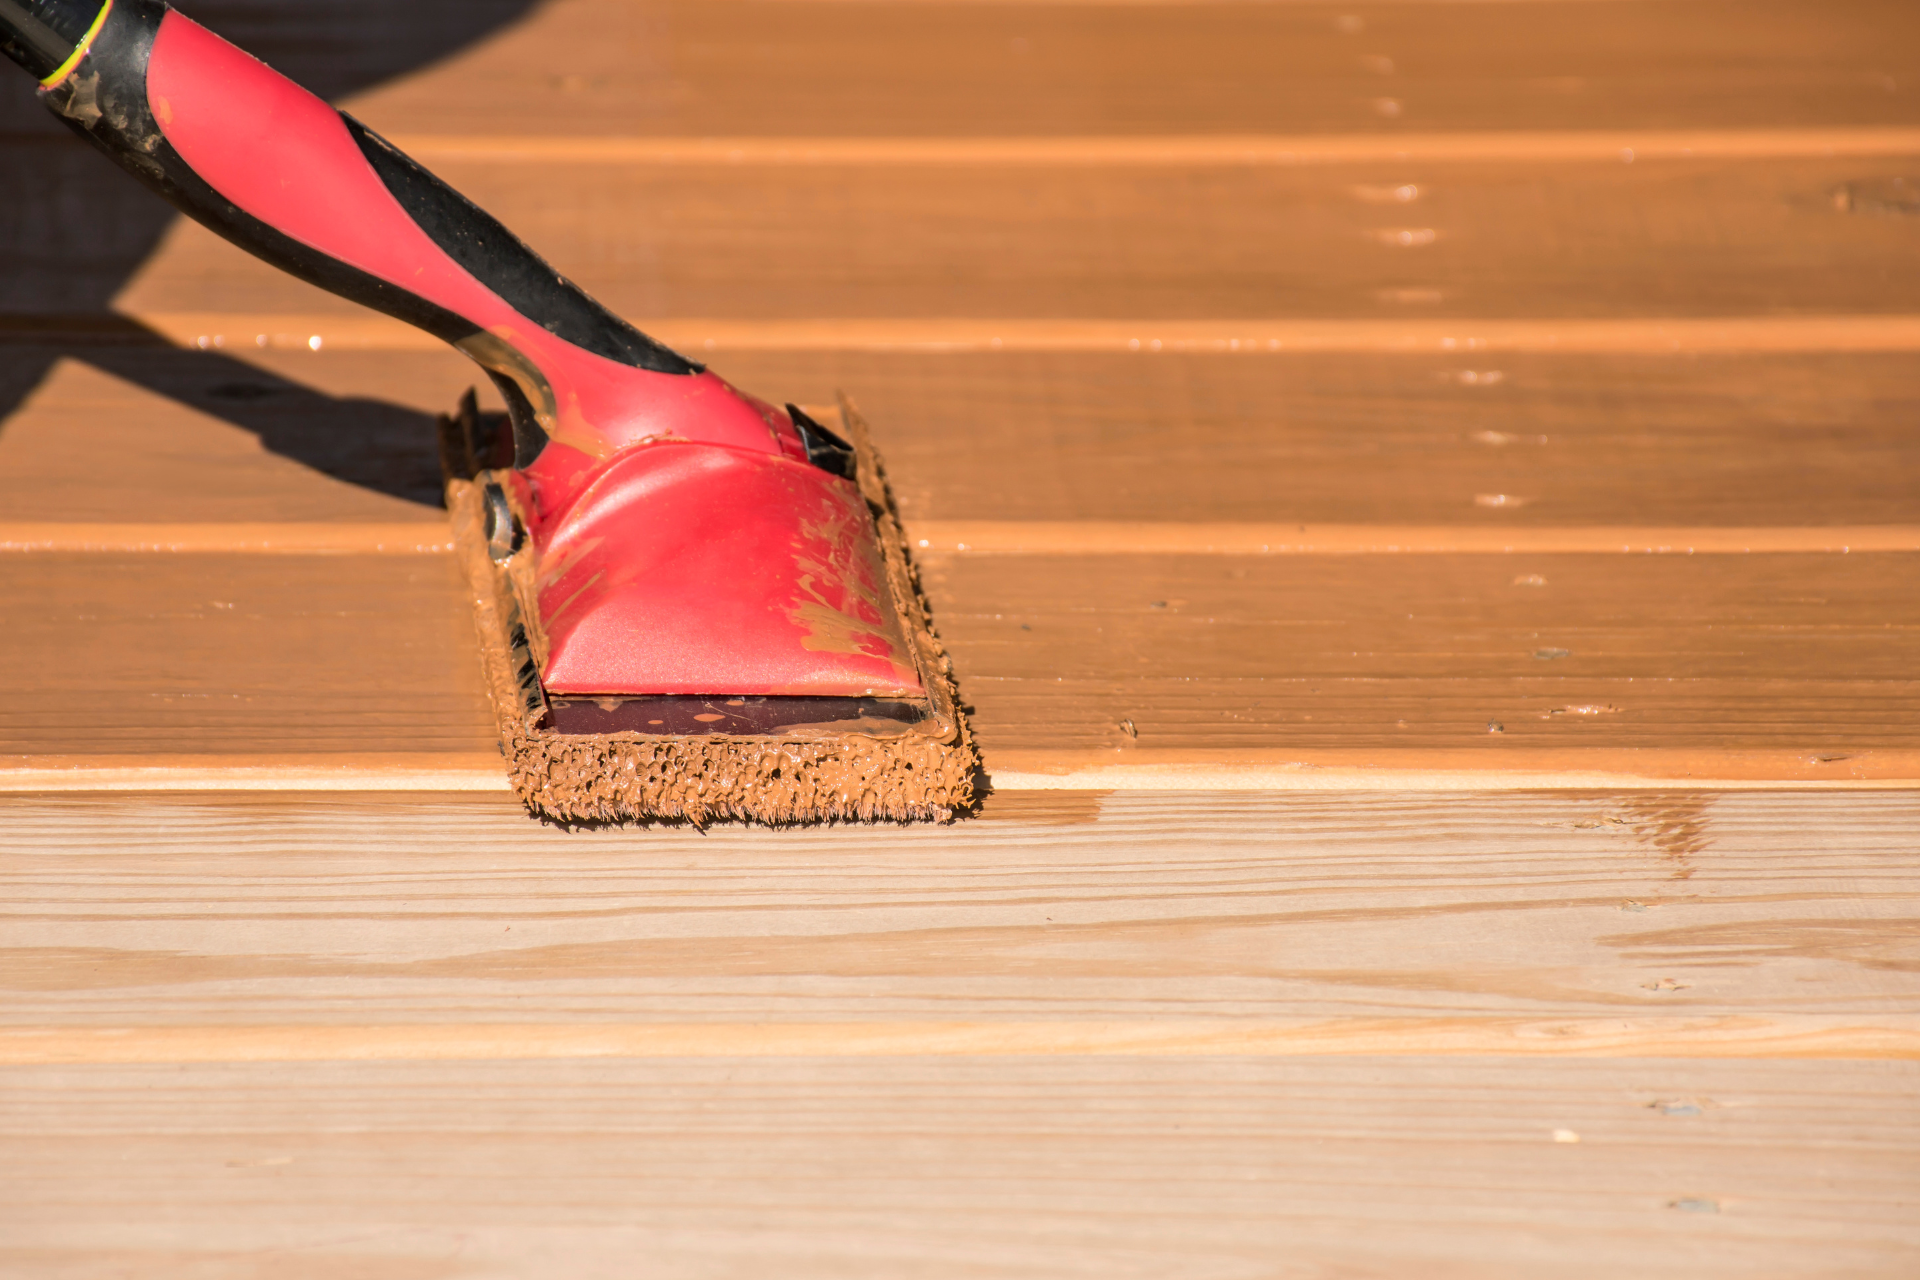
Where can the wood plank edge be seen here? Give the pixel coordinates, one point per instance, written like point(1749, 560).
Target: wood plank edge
point(1112, 537)
point(1406, 770)
point(1705, 1036)
point(1452, 769)
point(371, 772)
point(212, 537)
point(1146, 336)
point(1321, 779)
point(1257, 150)
point(1017, 538)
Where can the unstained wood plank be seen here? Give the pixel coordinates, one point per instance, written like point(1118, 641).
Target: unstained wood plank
point(1699, 911)
point(944, 1169)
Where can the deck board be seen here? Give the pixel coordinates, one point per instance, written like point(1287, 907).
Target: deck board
point(156, 435)
point(1037, 1167)
point(1710, 915)
point(1498, 659)
point(317, 656)
point(1659, 238)
point(698, 67)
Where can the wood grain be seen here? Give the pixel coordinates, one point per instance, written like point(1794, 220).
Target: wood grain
point(1669, 923)
point(1130, 244)
point(952, 1168)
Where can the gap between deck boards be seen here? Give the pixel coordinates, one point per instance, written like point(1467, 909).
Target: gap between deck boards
point(1680, 335)
point(1723, 1036)
point(1521, 147)
point(1016, 537)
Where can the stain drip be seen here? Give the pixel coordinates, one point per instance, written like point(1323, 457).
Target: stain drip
point(1673, 824)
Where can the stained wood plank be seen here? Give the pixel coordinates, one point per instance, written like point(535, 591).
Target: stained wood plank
point(1499, 656)
point(704, 68)
point(319, 656)
point(1387, 440)
point(1105, 659)
point(166, 437)
point(1730, 237)
point(954, 1169)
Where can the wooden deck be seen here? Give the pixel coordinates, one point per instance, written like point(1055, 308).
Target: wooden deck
point(1424, 500)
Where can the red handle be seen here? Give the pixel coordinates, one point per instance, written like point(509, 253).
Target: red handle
point(276, 170)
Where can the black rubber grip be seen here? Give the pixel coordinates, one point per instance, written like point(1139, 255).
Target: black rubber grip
point(42, 34)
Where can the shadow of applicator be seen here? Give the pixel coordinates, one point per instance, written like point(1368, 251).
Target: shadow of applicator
point(74, 231)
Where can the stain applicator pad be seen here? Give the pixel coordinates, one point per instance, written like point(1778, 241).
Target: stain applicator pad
point(706, 758)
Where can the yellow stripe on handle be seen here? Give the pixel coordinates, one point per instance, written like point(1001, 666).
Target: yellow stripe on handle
point(65, 69)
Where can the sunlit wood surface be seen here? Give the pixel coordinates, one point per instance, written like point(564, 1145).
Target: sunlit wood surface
point(1425, 505)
